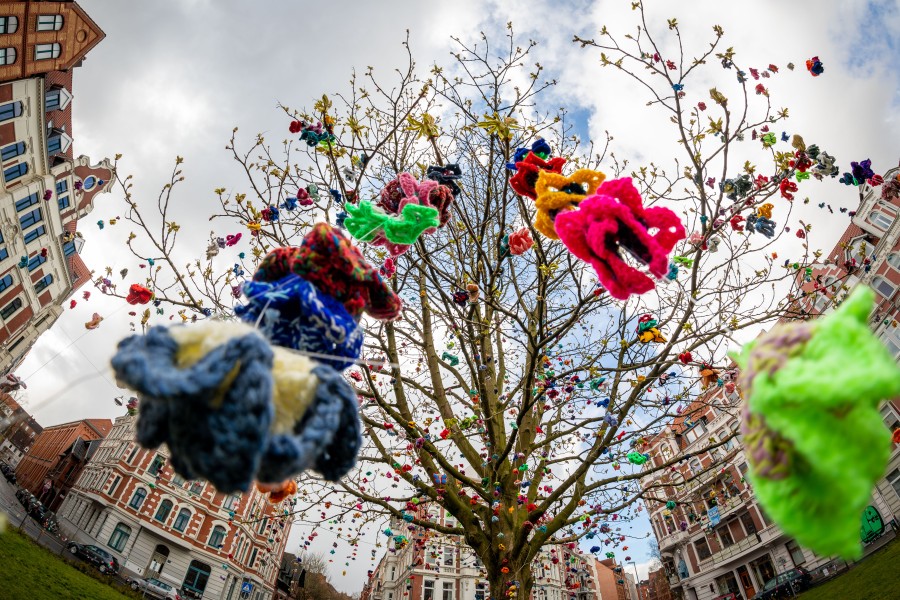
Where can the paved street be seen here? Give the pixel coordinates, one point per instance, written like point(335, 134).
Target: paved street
point(15, 512)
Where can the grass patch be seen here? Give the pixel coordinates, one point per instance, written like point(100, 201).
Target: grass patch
point(33, 572)
point(875, 577)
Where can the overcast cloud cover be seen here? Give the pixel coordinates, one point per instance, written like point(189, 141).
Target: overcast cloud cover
point(173, 77)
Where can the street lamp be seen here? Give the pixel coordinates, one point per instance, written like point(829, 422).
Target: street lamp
point(637, 580)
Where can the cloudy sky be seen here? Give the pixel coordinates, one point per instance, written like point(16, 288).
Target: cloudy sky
point(173, 77)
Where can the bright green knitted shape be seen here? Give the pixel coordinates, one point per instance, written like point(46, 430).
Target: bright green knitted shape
point(815, 440)
point(366, 222)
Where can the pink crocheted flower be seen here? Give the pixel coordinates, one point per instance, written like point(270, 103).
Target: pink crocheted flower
point(612, 221)
point(520, 241)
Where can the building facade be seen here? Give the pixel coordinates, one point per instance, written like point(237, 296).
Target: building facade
point(67, 471)
point(18, 430)
point(49, 448)
point(426, 565)
point(45, 189)
point(658, 585)
point(129, 501)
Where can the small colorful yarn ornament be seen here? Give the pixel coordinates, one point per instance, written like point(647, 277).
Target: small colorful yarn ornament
point(528, 169)
point(11, 383)
point(808, 384)
point(614, 220)
point(138, 294)
point(366, 223)
point(636, 458)
point(557, 193)
point(814, 66)
point(648, 331)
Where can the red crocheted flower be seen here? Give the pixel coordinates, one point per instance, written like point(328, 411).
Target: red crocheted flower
point(520, 241)
point(527, 173)
point(295, 127)
point(138, 294)
point(786, 187)
point(612, 221)
point(335, 266)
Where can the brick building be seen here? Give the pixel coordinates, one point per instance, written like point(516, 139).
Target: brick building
point(18, 431)
point(67, 471)
point(50, 447)
point(129, 501)
point(609, 582)
point(45, 189)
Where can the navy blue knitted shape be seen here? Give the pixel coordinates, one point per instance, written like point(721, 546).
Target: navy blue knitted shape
point(222, 444)
point(327, 438)
point(296, 314)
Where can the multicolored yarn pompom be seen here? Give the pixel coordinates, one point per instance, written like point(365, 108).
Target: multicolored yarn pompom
point(809, 384)
point(611, 221)
point(236, 404)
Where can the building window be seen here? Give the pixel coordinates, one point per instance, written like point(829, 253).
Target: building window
point(10, 309)
point(196, 487)
point(36, 261)
point(54, 145)
point(894, 479)
point(448, 591)
point(30, 218)
point(217, 538)
point(131, 456)
point(69, 248)
point(63, 203)
point(62, 187)
point(197, 576)
point(9, 24)
point(5, 282)
point(178, 480)
point(796, 553)
point(883, 286)
point(252, 559)
point(7, 56)
point(428, 590)
point(46, 51)
point(880, 220)
point(43, 283)
point(231, 502)
point(748, 523)
point(262, 525)
point(119, 536)
point(702, 549)
point(138, 498)
point(695, 466)
point(49, 23)
point(114, 485)
point(35, 234)
point(162, 513)
point(89, 182)
point(15, 171)
point(725, 536)
point(156, 465)
point(27, 202)
point(181, 521)
point(448, 556)
point(10, 110)
point(431, 558)
point(17, 149)
point(481, 591)
point(889, 416)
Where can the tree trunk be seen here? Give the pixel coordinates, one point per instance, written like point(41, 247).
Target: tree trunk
point(501, 584)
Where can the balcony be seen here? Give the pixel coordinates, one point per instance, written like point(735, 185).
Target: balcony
point(672, 540)
point(745, 545)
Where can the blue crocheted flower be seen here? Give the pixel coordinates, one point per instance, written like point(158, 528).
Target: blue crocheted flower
point(214, 415)
point(296, 314)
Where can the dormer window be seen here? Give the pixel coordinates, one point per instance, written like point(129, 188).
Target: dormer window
point(880, 220)
point(58, 142)
point(49, 22)
point(56, 98)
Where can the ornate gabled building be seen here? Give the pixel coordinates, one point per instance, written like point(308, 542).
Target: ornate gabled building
point(18, 430)
point(129, 501)
point(45, 189)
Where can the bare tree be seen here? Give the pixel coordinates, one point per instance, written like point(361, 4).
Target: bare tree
point(513, 392)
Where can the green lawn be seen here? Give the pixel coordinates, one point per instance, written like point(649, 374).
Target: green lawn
point(875, 577)
point(31, 572)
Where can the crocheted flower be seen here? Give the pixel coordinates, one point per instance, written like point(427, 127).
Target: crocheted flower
point(447, 176)
point(808, 384)
point(614, 220)
point(138, 294)
point(557, 193)
point(527, 171)
point(335, 266)
point(294, 313)
point(520, 241)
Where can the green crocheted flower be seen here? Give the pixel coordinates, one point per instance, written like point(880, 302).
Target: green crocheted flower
point(815, 440)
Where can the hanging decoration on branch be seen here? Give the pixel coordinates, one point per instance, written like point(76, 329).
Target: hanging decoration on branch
point(234, 403)
point(808, 384)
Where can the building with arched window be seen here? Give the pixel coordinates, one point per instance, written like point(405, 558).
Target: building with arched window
point(130, 502)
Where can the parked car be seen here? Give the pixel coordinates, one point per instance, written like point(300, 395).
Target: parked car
point(100, 558)
point(8, 472)
point(785, 585)
point(154, 587)
point(729, 596)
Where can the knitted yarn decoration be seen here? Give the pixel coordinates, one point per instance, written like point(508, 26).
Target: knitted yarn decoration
point(336, 267)
point(809, 384)
point(527, 171)
point(231, 408)
point(294, 313)
point(614, 220)
point(557, 193)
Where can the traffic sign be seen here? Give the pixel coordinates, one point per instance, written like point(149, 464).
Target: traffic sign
point(247, 587)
